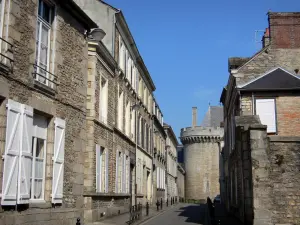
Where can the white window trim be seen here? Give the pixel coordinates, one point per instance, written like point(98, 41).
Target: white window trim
point(46, 24)
point(275, 116)
point(103, 101)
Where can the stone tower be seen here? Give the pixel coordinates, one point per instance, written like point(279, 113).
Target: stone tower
point(201, 154)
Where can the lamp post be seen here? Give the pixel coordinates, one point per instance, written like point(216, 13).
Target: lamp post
point(135, 107)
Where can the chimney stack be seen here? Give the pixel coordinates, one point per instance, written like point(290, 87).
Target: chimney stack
point(266, 38)
point(284, 30)
point(194, 116)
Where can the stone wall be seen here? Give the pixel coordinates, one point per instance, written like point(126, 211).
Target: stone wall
point(266, 186)
point(284, 179)
point(180, 183)
point(68, 103)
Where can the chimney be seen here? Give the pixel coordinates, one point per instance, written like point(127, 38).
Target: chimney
point(266, 38)
point(194, 116)
point(284, 30)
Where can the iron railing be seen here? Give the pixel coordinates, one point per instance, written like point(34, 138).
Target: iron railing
point(6, 54)
point(48, 79)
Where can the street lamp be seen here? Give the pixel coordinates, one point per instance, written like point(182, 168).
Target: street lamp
point(134, 107)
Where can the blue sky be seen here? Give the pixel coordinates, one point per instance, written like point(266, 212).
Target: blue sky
point(185, 45)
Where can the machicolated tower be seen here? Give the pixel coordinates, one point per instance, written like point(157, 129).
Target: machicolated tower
point(201, 154)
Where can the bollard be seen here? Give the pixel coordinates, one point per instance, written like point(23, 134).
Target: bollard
point(167, 202)
point(78, 221)
point(157, 205)
point(147, 209)
point(161, 203)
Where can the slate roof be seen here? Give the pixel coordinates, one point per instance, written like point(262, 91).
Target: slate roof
point(213, 117)
point(277, 79)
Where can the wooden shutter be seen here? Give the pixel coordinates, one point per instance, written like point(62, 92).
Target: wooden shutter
point(11, 154)
point(265, 108)
point(25, 155)
point(98, 166)
point(58, 161)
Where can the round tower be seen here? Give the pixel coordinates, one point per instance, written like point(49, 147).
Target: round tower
point(201, 159)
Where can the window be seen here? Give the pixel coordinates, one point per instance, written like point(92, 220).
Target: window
point(120, 110)
point(25, 148)
point(265, 109)
point(126, 178)
point(119, 171)
point(39, 141)
point(121, 54)
point(43, 43)
point(103, 101)
point(138, 176)
point(127, 119)
point(132, 121)
point(101, 169)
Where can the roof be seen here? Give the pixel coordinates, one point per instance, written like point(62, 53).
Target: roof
point(169, 128)
point(79, 14)
point(213, 117)
point(139, 59)
point(276, 79)
point(236, 62)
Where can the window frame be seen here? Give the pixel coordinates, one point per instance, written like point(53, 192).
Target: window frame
point(275, 111)
point(40, 23)
point(35, 137)
point(103, 100)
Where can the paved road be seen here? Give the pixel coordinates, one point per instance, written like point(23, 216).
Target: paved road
point(185, 214)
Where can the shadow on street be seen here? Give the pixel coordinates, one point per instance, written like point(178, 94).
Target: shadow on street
point(193, 213)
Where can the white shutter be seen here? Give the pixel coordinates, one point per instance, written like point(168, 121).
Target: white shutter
point(25, 155)
point(265, 108)
point(124, 174)
point(58, 161)
point(11, 154)
point(106, 170)
point(98, 166)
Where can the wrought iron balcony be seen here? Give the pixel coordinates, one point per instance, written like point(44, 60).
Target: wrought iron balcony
point(44, 78)
point(6, 55)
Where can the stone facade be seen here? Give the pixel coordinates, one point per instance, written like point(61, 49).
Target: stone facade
point(159, 160)
point(263, 174)
point(252, 159)
point(171, 144)
point(64, 97)
point(180, 182)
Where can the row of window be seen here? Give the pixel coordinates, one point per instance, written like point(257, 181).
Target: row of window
point(131, 72)
point(122, 171)
point(26, 155)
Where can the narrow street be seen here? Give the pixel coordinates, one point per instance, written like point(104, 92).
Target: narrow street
point(185, 214)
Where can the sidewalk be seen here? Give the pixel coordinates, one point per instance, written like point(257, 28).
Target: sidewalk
point(124, 218)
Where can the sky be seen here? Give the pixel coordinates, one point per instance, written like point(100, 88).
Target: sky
point(186, 44)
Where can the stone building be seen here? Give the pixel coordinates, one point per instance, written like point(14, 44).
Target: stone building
point(43, 83)
point(201, 155)
point(180, 182)
point(135, 108)
point(171, 168)
point(261, 103)
point(159, 158)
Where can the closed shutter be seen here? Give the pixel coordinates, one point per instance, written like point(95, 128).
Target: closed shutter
point(25, 155)
point(11, 154)
point(98, 166)
point(58, 161)
point(265, 108)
